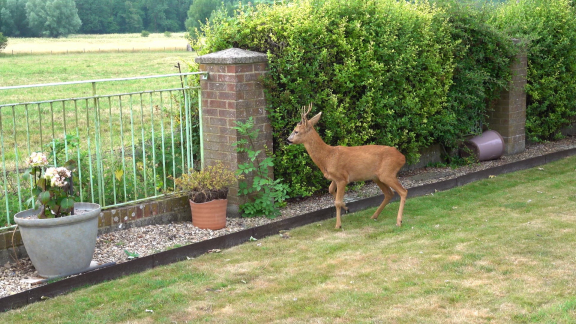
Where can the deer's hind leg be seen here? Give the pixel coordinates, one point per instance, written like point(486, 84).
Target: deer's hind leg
point(395, 184)
point(388, 194)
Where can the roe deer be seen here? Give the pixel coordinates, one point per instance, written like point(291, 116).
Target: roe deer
point(343, 165)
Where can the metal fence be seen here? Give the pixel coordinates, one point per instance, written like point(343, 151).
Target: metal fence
point(128, 145)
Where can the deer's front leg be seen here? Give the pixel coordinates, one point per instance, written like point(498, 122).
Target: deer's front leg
point(332, 189)
point(339, 202)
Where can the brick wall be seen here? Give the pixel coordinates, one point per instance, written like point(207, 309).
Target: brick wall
point(232, 92)
point(508, 116)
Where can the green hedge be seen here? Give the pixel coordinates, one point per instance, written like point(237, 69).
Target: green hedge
point(482, 57)
point(382, 72)
point(548, 28)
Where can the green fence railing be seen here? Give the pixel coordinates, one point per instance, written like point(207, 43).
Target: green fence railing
point(128, 145)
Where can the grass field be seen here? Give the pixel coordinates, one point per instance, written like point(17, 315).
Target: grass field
point(501, 250)
point(41, 69)
point(97, 43)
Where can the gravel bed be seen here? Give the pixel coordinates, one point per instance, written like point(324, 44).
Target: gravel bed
point(143, 241)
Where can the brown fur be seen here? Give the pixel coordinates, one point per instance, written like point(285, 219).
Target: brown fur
point(343, 165)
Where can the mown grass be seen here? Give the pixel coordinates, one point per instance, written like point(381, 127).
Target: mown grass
point(499, 250)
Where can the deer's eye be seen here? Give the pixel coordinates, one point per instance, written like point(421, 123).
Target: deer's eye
point(295, 132)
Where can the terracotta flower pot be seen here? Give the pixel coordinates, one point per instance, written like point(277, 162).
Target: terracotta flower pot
point(209, 215)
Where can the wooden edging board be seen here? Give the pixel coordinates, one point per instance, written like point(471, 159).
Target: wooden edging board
point(237, 238)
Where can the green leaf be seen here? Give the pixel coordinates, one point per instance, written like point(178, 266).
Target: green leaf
point(36, 191)
point(41, 183)
point(26, 175)
point(30, 201)
point(71, 165)
point(44, 197)
point(67, 203)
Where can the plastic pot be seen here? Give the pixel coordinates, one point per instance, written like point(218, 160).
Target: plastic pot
point(487, 146)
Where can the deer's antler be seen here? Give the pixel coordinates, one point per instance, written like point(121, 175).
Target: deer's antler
point(305, 112)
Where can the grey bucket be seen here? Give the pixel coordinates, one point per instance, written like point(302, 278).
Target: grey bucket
point(60, 246)
point(487, 146)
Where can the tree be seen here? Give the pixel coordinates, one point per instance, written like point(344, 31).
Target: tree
point(132, 18)
point(155, 15)
point(3, 42)
point(202, 10)
point(94, 16)
point(199, 11)
point(13, 21)
point(62, 18)
point(7, 23)
point(2, 5)
point(36, 15)
point(176, 14)
point(52, 18)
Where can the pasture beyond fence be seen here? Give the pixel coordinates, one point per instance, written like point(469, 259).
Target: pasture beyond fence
point(128, 145)
point(101, 50)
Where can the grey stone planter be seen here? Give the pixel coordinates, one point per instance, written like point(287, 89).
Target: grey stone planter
point(60, 246)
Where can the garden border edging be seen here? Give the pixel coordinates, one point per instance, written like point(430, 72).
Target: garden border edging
point(230, 240)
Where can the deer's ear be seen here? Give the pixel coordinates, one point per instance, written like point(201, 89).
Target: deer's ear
point(315, 119)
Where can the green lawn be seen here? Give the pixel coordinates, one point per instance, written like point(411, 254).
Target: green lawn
point(501, 250)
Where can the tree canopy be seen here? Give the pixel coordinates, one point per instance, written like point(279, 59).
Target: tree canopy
point(3, 42)
point(54, 18)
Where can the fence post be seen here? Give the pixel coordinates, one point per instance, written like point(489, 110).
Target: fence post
point(508, 116)
point(232, 92)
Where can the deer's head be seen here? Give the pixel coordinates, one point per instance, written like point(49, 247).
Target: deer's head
point(304, 127)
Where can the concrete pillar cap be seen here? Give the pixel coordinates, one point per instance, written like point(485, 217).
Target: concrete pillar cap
point(232, 56)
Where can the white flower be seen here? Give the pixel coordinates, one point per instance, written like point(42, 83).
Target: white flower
point(57, 176)
point(37, 159)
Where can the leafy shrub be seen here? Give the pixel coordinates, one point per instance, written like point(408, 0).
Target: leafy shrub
point(380, 71)
point(548, 28)
point(167, 34)
point(482, 56)
point(145, 33)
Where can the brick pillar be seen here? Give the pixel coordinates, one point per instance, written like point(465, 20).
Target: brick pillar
point(508, 116)
point(232, 92)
